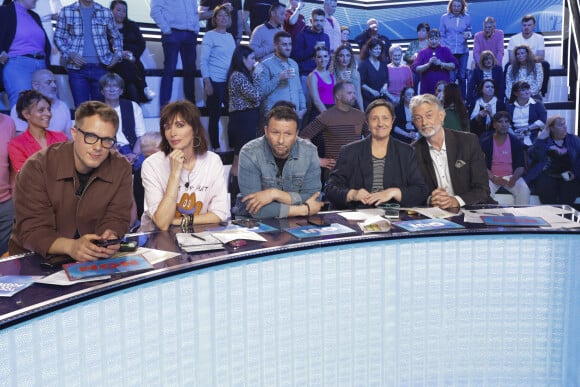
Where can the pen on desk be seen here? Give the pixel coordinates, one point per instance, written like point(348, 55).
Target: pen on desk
point(198, 237)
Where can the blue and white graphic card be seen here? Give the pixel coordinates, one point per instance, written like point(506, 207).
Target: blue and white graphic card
point(427, 225)
point(316, 231)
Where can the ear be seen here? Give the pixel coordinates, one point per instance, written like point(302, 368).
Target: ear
point(26, 113)
point(73, 132)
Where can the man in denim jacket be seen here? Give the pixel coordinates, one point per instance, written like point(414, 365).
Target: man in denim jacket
point(279, 173)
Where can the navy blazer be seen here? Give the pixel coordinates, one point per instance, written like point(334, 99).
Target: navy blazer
point(466, 166)
point(8, 29)
point(354, 170)
point(537, 111)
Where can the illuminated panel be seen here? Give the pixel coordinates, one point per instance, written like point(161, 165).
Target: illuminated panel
point(484, 310)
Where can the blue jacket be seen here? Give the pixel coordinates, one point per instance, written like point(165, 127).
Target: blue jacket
point(538, 151)
point(258, 171)
point(517, 150)
point(354, 170)
point(303, 49)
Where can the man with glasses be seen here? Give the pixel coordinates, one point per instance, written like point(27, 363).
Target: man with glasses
point(452, 162)
point(71, 196)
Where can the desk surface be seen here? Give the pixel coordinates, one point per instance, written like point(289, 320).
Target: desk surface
point(40, 299)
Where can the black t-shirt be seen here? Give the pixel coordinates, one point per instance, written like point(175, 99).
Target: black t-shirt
point(259, 11)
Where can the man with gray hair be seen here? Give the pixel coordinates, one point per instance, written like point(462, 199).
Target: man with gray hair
point(452, 162)
point(490, 39)
point(44, 82)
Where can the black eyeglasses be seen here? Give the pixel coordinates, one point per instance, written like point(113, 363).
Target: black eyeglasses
point(91, 138)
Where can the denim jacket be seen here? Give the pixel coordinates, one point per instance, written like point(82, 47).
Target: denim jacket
point(258, 171)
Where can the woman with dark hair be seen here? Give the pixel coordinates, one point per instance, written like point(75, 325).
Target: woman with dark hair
point(417, 45)
point(24, 46)
point(556, 158)
point(374, 74)
point(321, 82)
point(525, 68)
point(403, 128)
point(34, 108)
point(377, 169)
point(528, 115)
point(488, 68)
point(217, 48)
point(184, 178)
point(244, 107)
point(343, 66)
point(130, 68)
point(456, 117)
point(455, 28)
point(484, 108)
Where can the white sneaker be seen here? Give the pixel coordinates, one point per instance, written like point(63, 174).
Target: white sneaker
point(149, 93)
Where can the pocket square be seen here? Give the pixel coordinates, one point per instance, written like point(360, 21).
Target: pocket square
point(459, 163)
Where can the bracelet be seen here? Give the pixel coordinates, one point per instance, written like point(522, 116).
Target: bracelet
point(307, 208)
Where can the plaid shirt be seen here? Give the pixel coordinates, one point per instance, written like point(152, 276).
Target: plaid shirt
point(68, 35)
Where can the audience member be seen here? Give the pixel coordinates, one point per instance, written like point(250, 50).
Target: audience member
point(372, 31)
point(343, 66)
point(526, 69)
point(130, 68)
point(490, 39)
point(374, 74)
point(528, 116)
point(331, 24)
point(321, 83)
point(400, 75)
point(48, 11)
point(34, 108)
point(404, 129)
point(556, 155)
point(377, 169)
point(150, 143)
point(536, 42)
point(434, 63)
point(439, 90)
point(24, 46)
point(278, 77)
point(451, 162)
point(82, 190)
point(131, 120)
point(184, 178)
point(44, 82)
point(344, 36)
point(417, 45)
point(244, 107)
point(86, 55)
point(279, 172)
point(456, 116)
point(255, 13)
point(305, 44)
point(234, 7)
point(455, 29)
point(339, 125)
point(7, 133)
point(132, 128)
point(484, 108)
point(179, 25)
point(217, 49)
point(293, 20)
point(488, 68)
point(504, 156)
point(262, 40)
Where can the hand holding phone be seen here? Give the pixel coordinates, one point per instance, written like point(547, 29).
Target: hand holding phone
point(106, 242)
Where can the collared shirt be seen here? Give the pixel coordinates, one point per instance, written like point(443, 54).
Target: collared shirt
point(441, 166)
point(273, 89)
point(522, 113)
point(178, 14)
point(300, 177)
point(69, 33)
point(452, 28)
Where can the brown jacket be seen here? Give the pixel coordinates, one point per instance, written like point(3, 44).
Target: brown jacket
point(46, 206)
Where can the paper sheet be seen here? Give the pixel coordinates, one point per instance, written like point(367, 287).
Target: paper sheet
point(59, 278)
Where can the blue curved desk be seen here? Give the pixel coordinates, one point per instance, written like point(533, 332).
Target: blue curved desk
point(474, 307)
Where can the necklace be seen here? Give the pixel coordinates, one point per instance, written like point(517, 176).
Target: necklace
point(186, 184)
